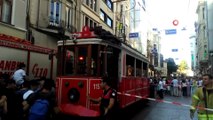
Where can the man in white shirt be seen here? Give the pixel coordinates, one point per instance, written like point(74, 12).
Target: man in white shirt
point(161, 88)
point(19, 75)
point(175, 86)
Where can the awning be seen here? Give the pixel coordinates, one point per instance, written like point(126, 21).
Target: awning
point(53, 33)
point(157, 68)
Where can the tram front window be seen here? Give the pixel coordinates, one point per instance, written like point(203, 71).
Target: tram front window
point(69, 64)
point(82, 60)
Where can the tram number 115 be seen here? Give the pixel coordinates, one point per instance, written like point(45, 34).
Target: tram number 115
point(96, 86)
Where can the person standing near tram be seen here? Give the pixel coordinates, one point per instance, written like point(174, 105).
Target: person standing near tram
point(108, 100)
point(20, 75)
point(203, 97)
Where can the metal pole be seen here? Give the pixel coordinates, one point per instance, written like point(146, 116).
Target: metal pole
point(62, 37)
point(211, 62)
point(63, 55)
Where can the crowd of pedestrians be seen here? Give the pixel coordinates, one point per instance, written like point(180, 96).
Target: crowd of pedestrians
point(22, 99)
point(176, 86)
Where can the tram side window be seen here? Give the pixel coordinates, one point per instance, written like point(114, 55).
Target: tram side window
point(130, 65)
point(145, 69)
point(94, 58)
point(82, 60)
point(138, 68)
point(69, 65)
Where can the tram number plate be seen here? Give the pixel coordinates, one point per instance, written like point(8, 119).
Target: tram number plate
point(96, 86)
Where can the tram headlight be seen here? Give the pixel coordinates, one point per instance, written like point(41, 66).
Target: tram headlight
point(73, 95)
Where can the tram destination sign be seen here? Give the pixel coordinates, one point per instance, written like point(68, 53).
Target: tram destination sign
point(105, 52)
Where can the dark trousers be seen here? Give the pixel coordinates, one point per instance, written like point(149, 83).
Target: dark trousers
point(184, 89)
point(152, 91)
point(160, 93)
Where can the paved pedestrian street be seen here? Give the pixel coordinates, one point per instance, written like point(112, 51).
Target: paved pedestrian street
point(164, 111)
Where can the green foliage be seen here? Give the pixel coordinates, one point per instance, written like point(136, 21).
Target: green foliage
point(171, 66)
point(183, 67)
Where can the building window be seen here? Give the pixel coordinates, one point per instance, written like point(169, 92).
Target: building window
point(102, 15)
point(121, 9)
point(6, 10)
point(55, 12)
point(109, 22)
point(109, 4)
point(106, 18)
point(90, 22)
point(87, 2)
point(92, 4)
point(204, 32)
point(95, 5)
point(203, 13)
point(86, 21)
point(69, 15)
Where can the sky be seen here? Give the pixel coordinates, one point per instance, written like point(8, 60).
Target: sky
point(161, 15)
point(163, 12)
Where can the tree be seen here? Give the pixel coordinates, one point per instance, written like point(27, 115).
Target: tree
point(171, 66)
point(183, 67)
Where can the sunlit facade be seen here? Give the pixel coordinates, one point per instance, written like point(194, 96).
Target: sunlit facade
point(122, 17)
point(202, 38)
point(49, 18)
point(139, 24)
point(209, 12)
point(98, 13)
point(193, 53)
point(12, 18)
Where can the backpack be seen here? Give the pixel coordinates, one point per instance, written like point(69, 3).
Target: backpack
point(39, 110)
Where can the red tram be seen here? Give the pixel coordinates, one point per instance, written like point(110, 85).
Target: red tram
point(82, 62)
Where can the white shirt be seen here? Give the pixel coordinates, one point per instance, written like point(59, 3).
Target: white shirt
point(161, 85)
point(19, 75)
point(184, 84)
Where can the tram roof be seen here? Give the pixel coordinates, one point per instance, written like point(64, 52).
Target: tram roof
point(130, 51)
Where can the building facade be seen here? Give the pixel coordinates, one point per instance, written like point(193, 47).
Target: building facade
point(193, 54)
point(209, 17)
point(49, 19)
point(202, 39)
point(154, 55)
point(139, 25)
point(122, 16)
point(12, 18)
point(164, 71)
point(98, 13)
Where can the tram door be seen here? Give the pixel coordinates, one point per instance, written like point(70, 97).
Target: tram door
point(112, 66)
